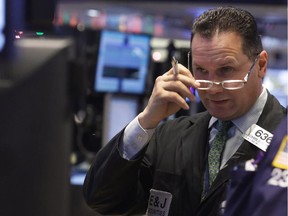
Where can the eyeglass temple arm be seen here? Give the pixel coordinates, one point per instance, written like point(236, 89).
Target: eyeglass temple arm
point(252, 66)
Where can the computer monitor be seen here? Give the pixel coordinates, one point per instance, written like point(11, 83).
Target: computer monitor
point(11, 19)
point(123, 62)
point(2, 24)
point(6, 37)
point(36, 130)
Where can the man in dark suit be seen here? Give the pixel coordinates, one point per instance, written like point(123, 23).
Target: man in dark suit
point(181, 167)
point(260, 186)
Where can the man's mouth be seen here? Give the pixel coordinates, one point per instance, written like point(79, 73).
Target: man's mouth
point(219, 101)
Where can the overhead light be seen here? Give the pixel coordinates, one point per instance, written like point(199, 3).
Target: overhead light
point(156, 56)
point(93, 13)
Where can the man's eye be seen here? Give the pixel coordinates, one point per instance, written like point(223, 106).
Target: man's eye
point(200, 71)
point(226, 70)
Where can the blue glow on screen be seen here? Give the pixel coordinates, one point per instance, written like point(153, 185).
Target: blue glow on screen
point(123, 60)
point(2, 24)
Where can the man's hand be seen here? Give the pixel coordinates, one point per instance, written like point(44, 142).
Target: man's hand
point(168, 96)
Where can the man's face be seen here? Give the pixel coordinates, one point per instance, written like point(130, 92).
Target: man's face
point(221, 58)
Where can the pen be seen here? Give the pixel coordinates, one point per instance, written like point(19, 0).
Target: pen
point(174, 63)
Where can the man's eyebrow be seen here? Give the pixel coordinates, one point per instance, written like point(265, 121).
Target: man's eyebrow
point(228, 60)
point(196, 65)
point(220, 64)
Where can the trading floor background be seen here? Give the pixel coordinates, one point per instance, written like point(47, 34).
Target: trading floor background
point(73, 73)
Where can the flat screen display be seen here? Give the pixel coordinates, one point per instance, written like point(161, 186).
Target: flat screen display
point(2, 24)
point(123, 62)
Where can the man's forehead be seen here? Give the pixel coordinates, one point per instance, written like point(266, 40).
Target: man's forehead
point(224, 42)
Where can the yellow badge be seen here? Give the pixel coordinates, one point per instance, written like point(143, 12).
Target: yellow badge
point(281, 158)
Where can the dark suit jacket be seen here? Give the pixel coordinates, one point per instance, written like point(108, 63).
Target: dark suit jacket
point(174, 161)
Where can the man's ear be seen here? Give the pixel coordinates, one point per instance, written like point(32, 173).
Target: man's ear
point(262, 62)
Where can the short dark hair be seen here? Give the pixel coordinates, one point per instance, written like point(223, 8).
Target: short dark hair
point(230, 19)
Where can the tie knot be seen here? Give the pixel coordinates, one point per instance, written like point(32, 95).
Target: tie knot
point(223, 126)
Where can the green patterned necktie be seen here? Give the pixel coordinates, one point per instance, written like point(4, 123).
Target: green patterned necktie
point(215, 153)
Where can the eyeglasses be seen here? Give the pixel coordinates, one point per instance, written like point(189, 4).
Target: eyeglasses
point(226, 84)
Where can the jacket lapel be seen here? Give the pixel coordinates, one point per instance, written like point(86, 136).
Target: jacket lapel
point(194, 141)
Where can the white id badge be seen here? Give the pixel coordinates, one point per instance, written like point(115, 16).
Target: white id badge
point(159, 203)
point(258, 137)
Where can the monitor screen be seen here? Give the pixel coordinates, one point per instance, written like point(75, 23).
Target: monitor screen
point(11, 19)
point(123, 62)
point(2, 24)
